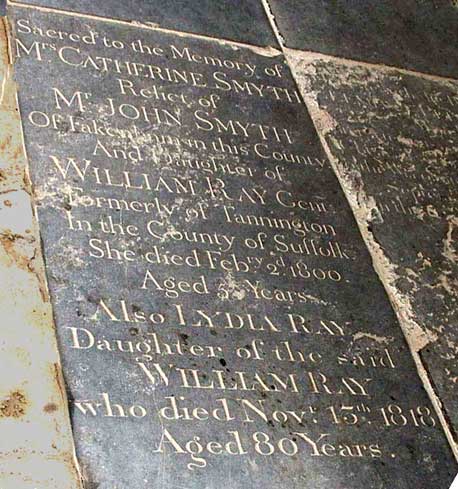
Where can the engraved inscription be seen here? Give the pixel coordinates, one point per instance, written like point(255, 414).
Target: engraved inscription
point(218, 316)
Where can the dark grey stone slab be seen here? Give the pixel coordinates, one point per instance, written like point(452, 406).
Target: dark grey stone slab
point(413, 34)
point(395, 139)
point(237, 20)
point(219, 320)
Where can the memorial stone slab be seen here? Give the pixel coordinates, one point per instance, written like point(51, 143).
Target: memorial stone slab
point(414, 34)
point(394, 139)
point(238, 20)
point(219, 319)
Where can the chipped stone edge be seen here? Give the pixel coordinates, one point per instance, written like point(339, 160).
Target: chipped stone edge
point(36, 446)
point(364, 209)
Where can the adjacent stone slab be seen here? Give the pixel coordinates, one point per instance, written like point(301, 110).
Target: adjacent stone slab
point(219, 319)
point(394, 140)
point(240, 20)
point(413, 34)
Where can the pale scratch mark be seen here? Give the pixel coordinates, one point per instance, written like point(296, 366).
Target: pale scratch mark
point(449, 250)
point(383, 340)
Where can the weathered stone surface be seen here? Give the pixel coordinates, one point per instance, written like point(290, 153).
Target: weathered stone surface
point(238, 20)
point(36, 448)
point(219, 319)
point(413, 34)
point(393, 138)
